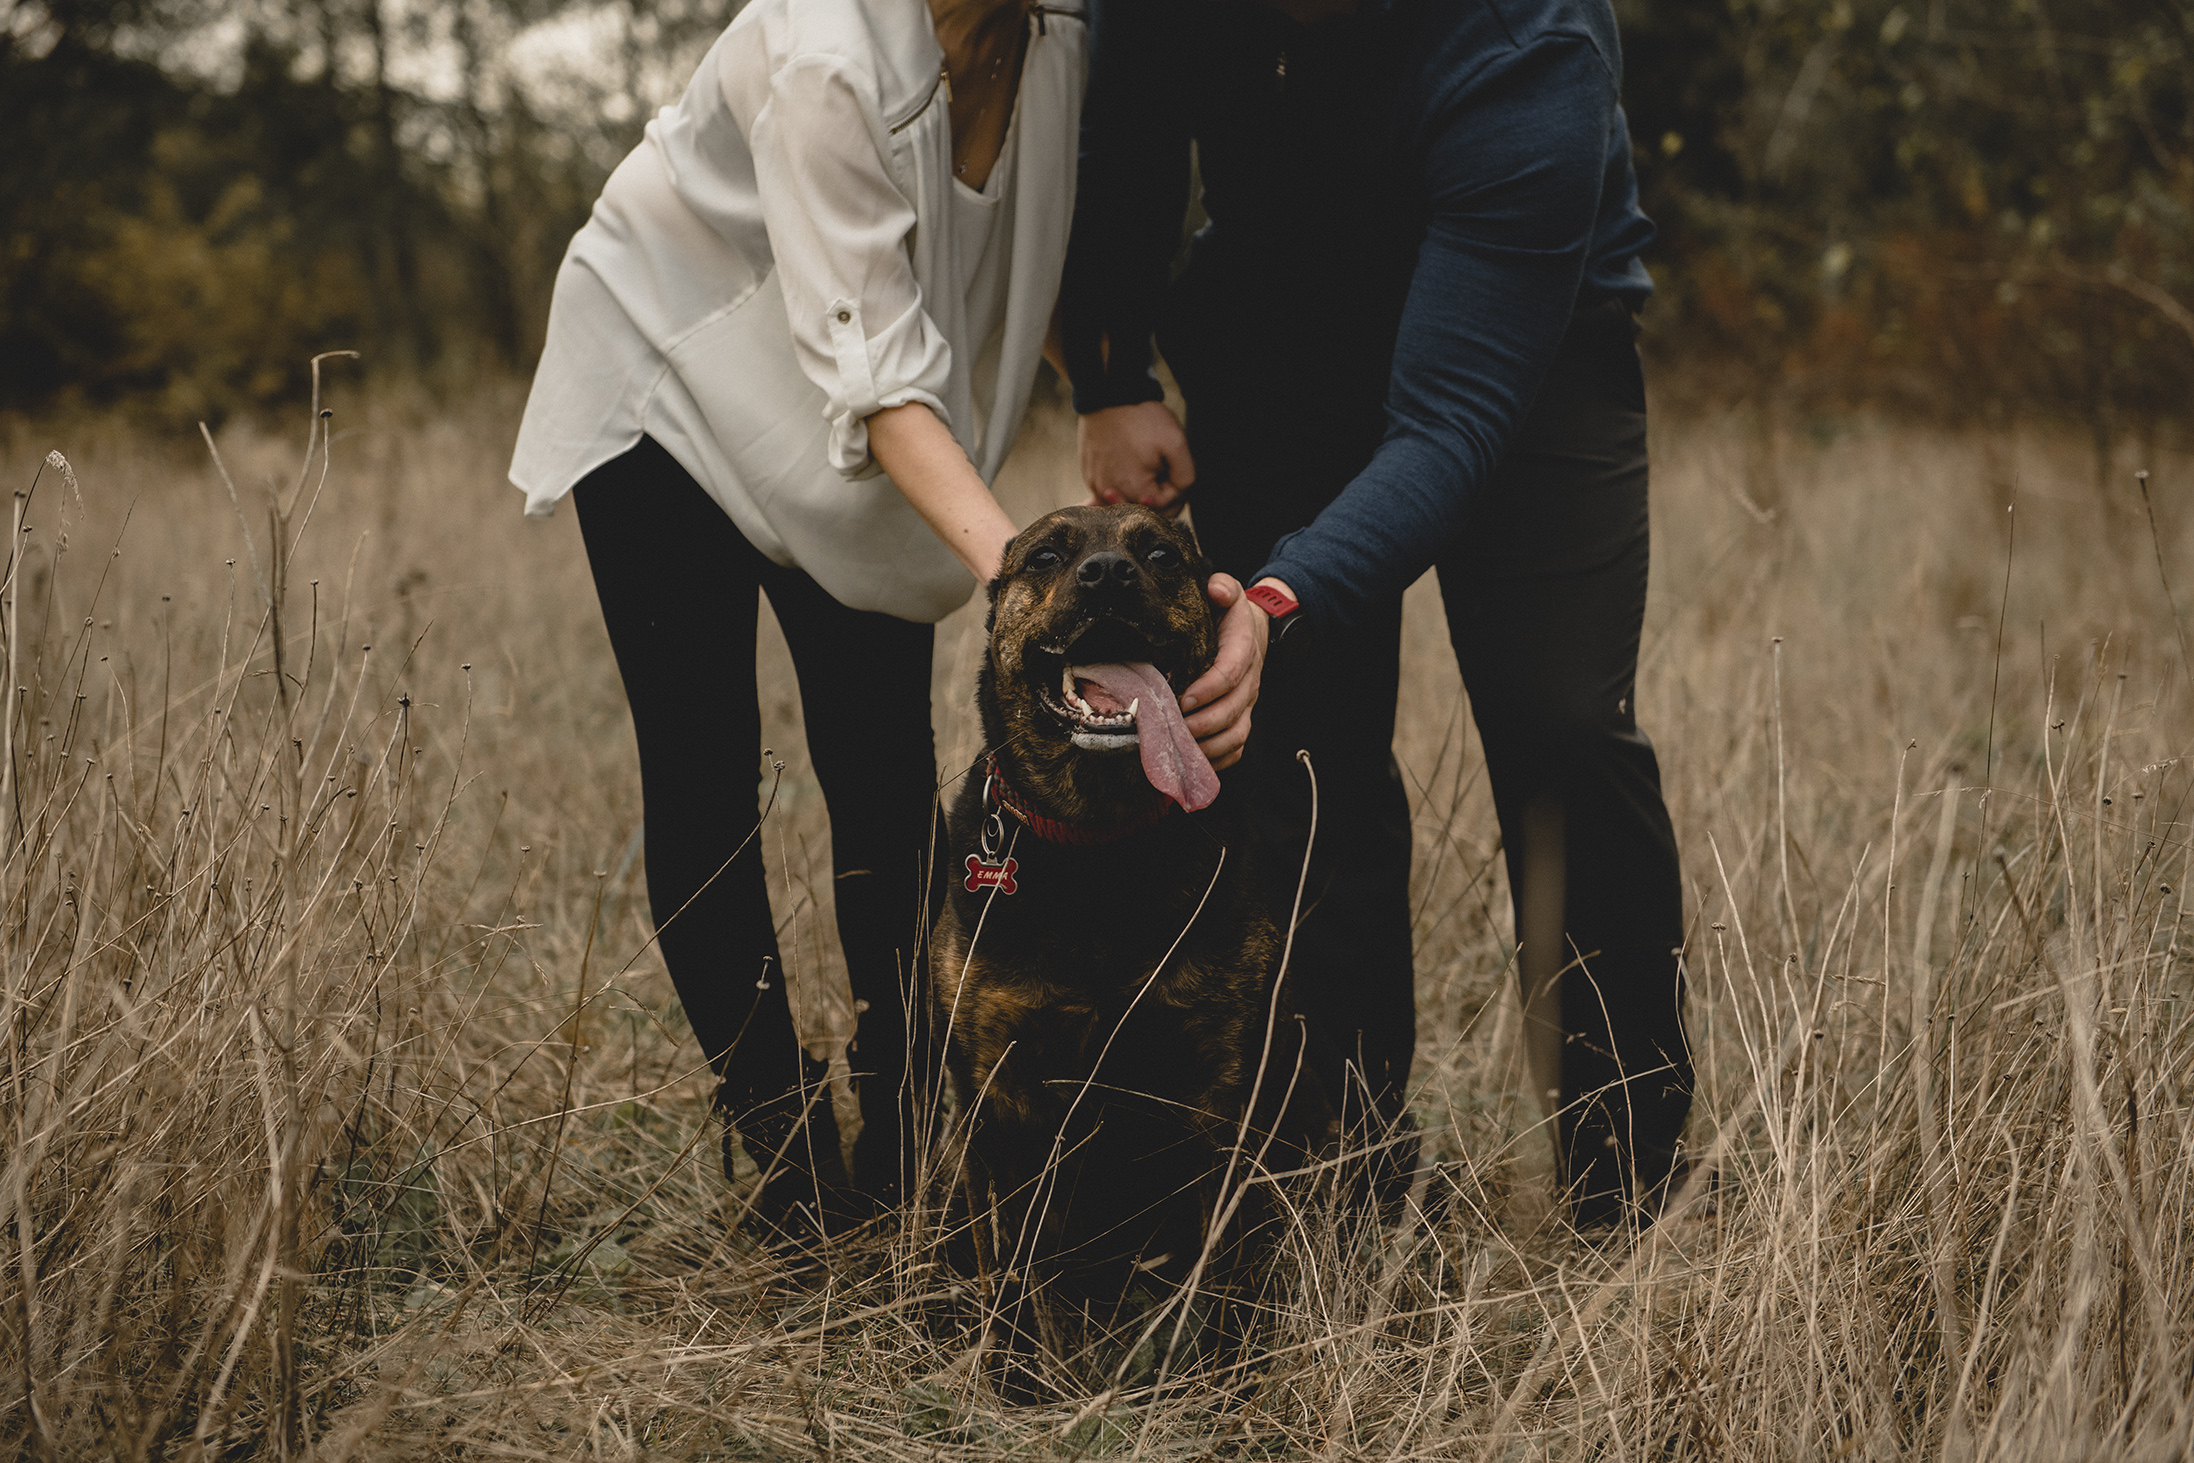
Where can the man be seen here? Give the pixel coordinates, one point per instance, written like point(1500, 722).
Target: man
point(1405, 340)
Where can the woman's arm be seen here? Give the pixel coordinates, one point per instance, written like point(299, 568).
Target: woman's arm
point(838, 223)
point(926, 464)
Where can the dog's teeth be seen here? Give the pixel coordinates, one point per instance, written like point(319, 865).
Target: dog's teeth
point(1066, 689)
point(1129, 714)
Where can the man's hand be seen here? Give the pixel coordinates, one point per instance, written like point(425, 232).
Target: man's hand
point(1221, 698)
point(1136, 454)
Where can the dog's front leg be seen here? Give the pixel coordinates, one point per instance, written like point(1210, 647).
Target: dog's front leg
point(1008, 1339)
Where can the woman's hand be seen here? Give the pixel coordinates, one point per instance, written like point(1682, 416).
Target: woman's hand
point(1222, 697)
point(926, 464)
point(1136, 454)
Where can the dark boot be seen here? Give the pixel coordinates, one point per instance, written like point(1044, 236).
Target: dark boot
point(804, 1190)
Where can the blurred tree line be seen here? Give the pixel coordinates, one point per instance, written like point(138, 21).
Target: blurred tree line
point(1962, 207)
point(1951, 206)
point(197, 195)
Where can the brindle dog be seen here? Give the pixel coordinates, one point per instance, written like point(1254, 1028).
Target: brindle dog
point(1104, 969)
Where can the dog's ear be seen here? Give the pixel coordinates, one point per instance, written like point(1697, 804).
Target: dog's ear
point(1184, 539)
point(997, 585)
point(1192, 554)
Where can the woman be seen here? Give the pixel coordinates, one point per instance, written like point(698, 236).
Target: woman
point(788, 353)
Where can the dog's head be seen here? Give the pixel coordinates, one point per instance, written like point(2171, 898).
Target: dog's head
point(1098, 621)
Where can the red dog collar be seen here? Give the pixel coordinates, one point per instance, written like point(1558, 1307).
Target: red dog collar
point(1084, 835)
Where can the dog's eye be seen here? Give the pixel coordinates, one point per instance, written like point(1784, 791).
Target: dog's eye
point(1159, 555)
point(1044, 559)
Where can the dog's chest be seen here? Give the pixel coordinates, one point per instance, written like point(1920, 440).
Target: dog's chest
point(1036, 1051)
point(1079, 984)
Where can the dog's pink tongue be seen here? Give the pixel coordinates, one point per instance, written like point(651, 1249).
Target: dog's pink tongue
point(1172, 761)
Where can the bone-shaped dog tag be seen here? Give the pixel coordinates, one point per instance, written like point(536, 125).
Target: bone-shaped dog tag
point(981, 876)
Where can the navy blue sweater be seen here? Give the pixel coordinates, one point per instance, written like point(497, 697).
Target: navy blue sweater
point(1407, 204)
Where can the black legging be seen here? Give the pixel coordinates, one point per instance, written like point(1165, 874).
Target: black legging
point(1545, 592)
point(677, 581)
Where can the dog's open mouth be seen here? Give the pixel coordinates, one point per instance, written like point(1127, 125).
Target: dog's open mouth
point(1099, 704)
point(1109, 705)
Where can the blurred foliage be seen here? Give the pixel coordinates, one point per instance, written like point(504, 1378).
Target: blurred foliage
point(1953, 207)
point(1957, 206)
point(196, 196)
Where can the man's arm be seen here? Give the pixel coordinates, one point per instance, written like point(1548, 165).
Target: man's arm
point(1131, 191)
point(1513, 176)
point(1130, 196)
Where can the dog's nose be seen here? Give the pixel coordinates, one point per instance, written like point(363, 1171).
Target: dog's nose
point(1099, 568)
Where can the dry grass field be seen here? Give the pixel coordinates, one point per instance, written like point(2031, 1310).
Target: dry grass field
point(345, 1111)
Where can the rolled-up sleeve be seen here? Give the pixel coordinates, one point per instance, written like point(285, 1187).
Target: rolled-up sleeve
point(838, 227)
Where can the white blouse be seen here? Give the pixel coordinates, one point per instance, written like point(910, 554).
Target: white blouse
point(786, 253)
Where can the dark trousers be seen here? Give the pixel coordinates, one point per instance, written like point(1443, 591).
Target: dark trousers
point(678, 585)
point(1545, 594)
